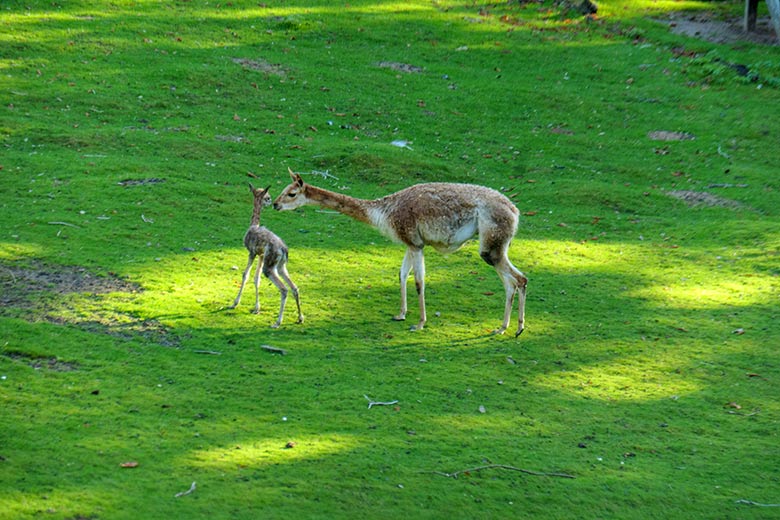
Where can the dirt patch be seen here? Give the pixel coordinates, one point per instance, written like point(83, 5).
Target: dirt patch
point(400, 67)
point(18, 284)
point(707, 27)
point(39, 362)
point(263, 66)
point(74, 296)
point(702, 198)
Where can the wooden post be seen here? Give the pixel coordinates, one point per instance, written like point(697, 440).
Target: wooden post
point(751, 9)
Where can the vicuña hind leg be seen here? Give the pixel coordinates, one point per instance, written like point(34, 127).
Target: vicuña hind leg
point(493, 250)
point(294, 288)
point(272, 275)
point(514, 284)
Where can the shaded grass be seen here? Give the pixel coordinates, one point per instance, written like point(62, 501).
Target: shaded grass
point(648, 368)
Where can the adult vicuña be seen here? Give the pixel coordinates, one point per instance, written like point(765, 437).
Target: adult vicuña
point(272, 252)
point(442, 215)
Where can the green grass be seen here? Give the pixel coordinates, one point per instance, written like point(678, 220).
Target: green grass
point(648, 369)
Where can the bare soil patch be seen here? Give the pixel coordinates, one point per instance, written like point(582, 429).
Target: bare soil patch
point(702, 198)
point(19, 283)
point(38, 362)
point(707, 27)
point(41, 292)
point(400, 67)
point(260, 65)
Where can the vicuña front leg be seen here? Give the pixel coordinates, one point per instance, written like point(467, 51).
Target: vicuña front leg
point(257, 287)
point(406, 267)
point(418, 266)
point(244, 278)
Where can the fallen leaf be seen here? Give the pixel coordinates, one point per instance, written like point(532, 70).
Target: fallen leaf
point(732, 405)
point(131, 464)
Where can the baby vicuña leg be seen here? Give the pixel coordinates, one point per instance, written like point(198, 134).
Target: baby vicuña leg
point(244, 278)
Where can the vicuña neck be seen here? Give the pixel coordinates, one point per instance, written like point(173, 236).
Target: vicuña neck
point(350, 206)
point(256, 214)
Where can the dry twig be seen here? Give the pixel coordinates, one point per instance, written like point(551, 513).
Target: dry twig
point(274, 350)
point(751, 503)
point(325, 175)
point(212, 352)
point(183, 493)
point(379, 403)
point(502, 466)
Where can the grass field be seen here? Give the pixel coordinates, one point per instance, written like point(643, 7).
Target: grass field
point(645, 168)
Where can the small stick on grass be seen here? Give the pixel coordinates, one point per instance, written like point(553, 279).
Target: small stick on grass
point(274, 350)
point(212, 352)
point(455, 474)
point(757, 504)
point(379, 403)
point(184, 493)
point(62, 224)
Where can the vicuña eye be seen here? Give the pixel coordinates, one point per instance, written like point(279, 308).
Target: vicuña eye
point(292, 195)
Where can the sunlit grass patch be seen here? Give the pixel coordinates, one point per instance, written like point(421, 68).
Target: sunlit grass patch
point(21, 504)
point(713, 293)
point(647, 376)
point(14, 251)
point(279, 450)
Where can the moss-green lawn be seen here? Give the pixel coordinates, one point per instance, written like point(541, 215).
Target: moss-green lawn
point(645, 168)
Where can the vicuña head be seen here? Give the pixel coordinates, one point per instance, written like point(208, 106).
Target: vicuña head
point(442, 215)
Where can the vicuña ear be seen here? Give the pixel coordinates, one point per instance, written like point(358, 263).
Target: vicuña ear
point(295, 177)
point(268, 188)
point(251, 187)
